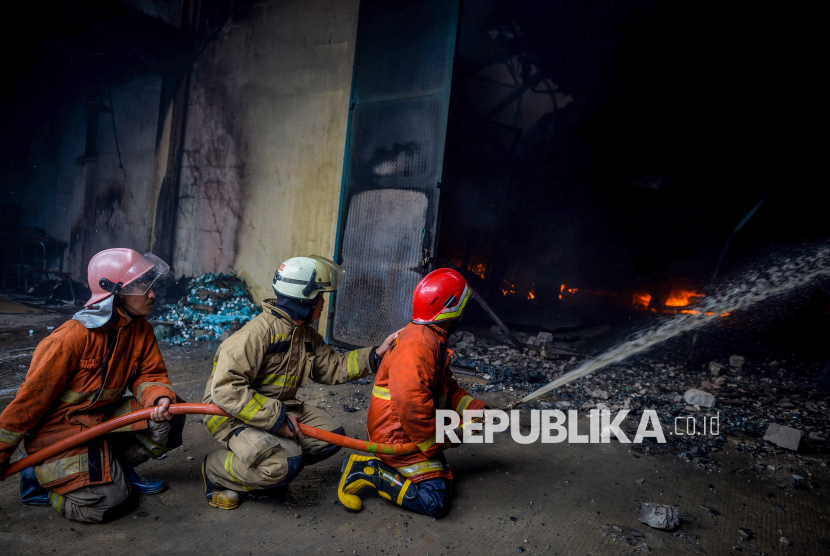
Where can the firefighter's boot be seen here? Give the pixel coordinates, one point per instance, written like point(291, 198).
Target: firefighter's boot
point(31, 493)
point(224, 499)
point(143, 485)
point(367, 471)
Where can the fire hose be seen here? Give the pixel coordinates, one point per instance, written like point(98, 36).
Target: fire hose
point(198, 409)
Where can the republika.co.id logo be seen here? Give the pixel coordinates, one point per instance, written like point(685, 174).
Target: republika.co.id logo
point(551, 426)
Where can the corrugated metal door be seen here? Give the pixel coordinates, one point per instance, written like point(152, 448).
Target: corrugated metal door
point(394, 159)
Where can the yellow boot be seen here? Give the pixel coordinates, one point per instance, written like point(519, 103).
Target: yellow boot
point(217, 497)
point(362, 471)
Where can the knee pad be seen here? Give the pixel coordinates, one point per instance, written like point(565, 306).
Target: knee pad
point(295, 465)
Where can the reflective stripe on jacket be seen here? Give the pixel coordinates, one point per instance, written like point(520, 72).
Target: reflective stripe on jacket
point(63, 394)
point(266, 362)
point(413, 381)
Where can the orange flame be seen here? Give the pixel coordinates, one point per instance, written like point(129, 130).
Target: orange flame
point(508, 288)
point(530, 295)
point(681, 298)
point(478, 270)
point(642, 300)
point(726, 314)
point(561, 290)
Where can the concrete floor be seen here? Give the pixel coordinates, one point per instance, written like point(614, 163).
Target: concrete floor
point(533, 499)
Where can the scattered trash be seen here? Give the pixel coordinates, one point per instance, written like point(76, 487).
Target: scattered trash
point(213, 306)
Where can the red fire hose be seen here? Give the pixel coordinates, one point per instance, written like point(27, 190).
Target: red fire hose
point(195, 408)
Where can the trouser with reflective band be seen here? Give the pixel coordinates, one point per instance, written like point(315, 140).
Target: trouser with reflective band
point(253, 459)
point(96, 503)
point(432, 497)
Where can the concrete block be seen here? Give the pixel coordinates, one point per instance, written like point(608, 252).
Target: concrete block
point(544, 337)
point(694, 396)
point(783, 436)
point(660, 516)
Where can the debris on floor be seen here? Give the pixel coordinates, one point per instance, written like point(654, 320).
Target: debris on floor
point(213, 307)
point(736, 407)
point(660, 516)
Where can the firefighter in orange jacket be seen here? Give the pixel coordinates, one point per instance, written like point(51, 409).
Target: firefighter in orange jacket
point(77, 378)
point(414, 379)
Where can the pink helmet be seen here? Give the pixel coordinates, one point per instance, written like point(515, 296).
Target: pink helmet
point(122, 271)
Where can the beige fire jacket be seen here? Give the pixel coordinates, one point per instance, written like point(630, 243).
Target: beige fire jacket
point(266, 362)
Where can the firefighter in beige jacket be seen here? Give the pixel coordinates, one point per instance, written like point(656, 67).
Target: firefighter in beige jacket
point(255, 378)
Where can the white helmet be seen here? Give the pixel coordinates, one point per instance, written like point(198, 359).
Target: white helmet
point(303, 277)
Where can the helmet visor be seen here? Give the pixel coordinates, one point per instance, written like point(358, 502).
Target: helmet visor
point(329, 275)
point(143, 274)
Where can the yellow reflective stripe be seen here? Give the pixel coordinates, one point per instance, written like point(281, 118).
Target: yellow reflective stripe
point(215, 361)
point(214, 422)
point(61, 468)
point(458, 308)
point(251, 408)
point(463, 403)
point(426, 444)
point(401, 494)
point(280, 380)
point(144, 385)
point(56, 500)
point(354, 372)
point(10, 437)
point(124, 408)
point(68, 396)
point(279, 338)
point(420, 468)
point(151, 446)
point(229, 469)
point(381, 392)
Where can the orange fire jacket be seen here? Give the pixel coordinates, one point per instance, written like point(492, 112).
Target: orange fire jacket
point(64, 394)
point(414, 379)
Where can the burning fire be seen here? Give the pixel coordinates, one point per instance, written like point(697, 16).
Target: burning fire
point(478, 269)
point(530, 295)
point(508, 288)
point(681, 298)
point(642, 300)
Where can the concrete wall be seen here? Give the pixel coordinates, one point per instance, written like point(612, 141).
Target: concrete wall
point(262, 161)
point(264, 141)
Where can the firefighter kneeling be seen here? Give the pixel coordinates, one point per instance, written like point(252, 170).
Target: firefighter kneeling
point(413, 381)
point(78, 378)
point(256, 375)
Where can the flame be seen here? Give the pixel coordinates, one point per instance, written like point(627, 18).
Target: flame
point(573, 290)
point(641, 300)
point(530, 295)
point(509, 288)
point(726, 314)
point(681, 298)
point(690, 312)
point(561, 290)
point(478, 270)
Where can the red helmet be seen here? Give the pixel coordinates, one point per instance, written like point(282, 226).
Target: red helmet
point(122, 271)
point(441, 295)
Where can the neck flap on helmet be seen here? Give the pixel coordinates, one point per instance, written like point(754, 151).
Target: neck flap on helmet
point(97, 314)
point(297, 309)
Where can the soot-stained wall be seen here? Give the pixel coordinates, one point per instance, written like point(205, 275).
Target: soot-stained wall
point(264, 142)
point(87, 201)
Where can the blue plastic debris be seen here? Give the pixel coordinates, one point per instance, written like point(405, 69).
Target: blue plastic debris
point(215, 303)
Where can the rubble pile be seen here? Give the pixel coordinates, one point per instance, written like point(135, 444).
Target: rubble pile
point(214, 306)
point(762, 406)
